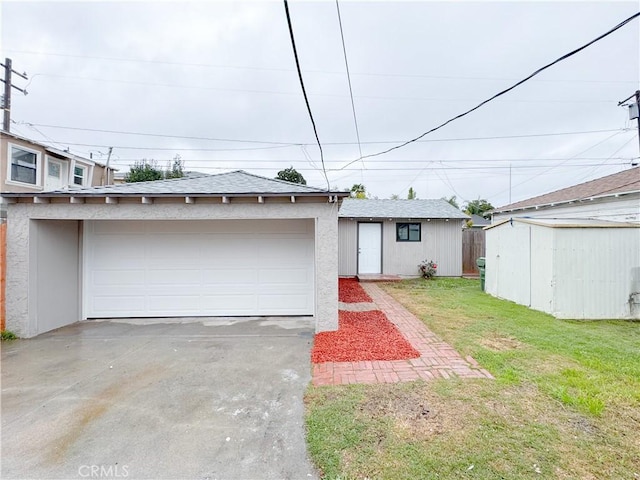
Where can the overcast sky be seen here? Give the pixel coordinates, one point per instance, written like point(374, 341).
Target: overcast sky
point(225, 71)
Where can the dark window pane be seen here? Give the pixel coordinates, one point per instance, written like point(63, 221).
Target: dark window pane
point(23, 174)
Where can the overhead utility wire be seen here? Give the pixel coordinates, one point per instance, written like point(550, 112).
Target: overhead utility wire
point(346, 64)
point(431, 140)
point(304, 92)
point(499, 94)
point(275, 69)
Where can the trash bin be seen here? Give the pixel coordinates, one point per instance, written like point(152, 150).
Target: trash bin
point(481, 263)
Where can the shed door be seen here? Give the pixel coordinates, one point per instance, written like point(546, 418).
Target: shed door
point(198, 268)
point(369, 248)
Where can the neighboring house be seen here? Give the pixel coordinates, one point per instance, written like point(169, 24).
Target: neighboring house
point(570, 268)
point(392, 237)
point(614, 197)
point(28, 166)
point(233, 244)
point(478, 222)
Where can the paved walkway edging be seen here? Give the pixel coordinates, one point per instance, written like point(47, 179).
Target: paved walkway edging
point(437, 358)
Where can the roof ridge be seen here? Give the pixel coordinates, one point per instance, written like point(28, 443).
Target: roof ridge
point(278, 180)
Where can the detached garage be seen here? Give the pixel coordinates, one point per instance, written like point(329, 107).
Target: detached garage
point(569, 268)
point(221, 245)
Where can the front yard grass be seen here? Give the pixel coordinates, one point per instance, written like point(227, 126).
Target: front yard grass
point(565, 402)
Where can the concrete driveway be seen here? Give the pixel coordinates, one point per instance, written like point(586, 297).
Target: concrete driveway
point(195, 400)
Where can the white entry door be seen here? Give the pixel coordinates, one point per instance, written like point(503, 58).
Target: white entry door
point(369, 248)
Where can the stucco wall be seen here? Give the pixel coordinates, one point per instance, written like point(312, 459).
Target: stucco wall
point(441, 241)
point(19, 283)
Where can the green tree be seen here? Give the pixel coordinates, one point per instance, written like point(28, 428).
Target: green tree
point(144, 171)
point(478, 207)
point(291, 175)
point(148, 170)
point(358, 191)
point(412, 195)
point(176, 169)
point(395, 196)
point(452, 200)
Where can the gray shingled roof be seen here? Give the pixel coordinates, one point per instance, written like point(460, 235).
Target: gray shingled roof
point(626, 181)
point(432, 208)
point(232, 183)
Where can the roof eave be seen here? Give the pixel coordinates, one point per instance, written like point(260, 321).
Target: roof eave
point(562, 202)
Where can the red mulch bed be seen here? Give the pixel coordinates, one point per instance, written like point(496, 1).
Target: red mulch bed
point(362, 336)
point(350, 291)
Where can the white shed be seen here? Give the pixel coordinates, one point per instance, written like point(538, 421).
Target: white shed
point(569, 268)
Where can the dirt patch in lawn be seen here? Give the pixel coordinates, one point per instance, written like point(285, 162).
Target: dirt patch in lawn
point(499, 343)
point(415, 413)
point(350, 291)
point(362, 336)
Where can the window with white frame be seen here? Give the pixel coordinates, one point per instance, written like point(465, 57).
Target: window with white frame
point(24, 165)
point(53, 169)
point(79, 175)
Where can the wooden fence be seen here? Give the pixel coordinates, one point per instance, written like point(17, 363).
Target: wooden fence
point(3, 271)
point(473, 246)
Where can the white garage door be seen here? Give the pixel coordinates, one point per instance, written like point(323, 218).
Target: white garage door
point(198, 268)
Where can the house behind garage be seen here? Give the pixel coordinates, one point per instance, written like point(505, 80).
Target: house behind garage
point(233, 244)
point(391, 237)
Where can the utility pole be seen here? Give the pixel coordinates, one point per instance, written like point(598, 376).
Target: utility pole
point(634, 112)
point(105, 172)
point(6, 121)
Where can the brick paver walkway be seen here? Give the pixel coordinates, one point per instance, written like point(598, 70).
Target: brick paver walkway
point(437, 358)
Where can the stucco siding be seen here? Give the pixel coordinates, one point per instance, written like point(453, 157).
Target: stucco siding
point(20, 283)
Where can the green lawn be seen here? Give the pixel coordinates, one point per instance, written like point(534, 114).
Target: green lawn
point(565, 402)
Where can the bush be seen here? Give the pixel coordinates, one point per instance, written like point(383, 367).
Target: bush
point(428, 269)
point(7, 335)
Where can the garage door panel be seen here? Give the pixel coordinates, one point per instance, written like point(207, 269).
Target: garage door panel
point(283, 304)
point(176, 304)
point(284, 276)
point(111, 250)
point(104, 278)
point(226, 276)
point(199, 268)
point(118, 305)
point(228, 304)
point(189, 277)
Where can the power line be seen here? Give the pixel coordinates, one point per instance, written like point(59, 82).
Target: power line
point(328, 95)
point(268, 142)
point(503, 92)
point(304, 91)
point(346, 64)
point(275, 69)
point(162, 135)
point(560, 164)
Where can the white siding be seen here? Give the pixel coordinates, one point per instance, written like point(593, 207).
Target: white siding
point(618, 209)
point(508, 262)
point(441, 241)
point(572, 273)
point(347, 247)
point(595, 270)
